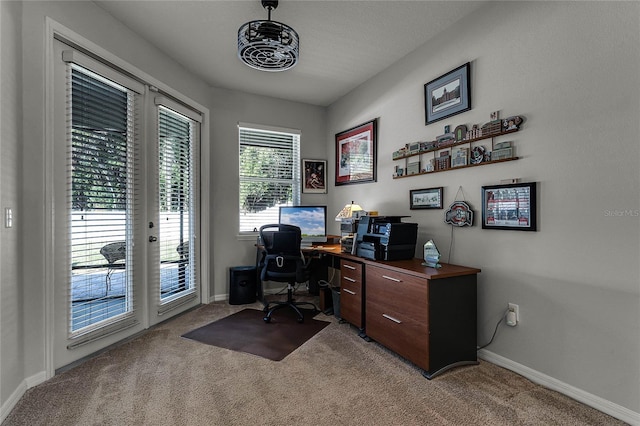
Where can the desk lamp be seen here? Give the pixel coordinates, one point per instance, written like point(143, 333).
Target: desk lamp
point(347, 211)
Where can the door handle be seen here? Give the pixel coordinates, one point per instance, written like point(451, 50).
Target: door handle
point(152, 239)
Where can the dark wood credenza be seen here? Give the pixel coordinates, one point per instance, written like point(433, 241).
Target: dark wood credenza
point(426, 315)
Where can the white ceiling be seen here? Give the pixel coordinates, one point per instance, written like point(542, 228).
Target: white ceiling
point(342, 43)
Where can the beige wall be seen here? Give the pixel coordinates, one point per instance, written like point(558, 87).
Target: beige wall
point(570, 68)
point(11, 294)
point(573, 70)
point(227, 110)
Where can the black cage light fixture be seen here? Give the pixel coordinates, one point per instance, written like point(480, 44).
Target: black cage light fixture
point(268, 45)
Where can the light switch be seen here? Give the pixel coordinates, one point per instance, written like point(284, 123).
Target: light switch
point(8, 217)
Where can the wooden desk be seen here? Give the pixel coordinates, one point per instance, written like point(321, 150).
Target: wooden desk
point(426, 315)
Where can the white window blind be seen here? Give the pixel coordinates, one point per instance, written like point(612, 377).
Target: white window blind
point(176, 135)
point(269, 173)
point(102, 133)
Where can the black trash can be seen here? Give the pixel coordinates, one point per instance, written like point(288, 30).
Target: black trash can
point(242, 285)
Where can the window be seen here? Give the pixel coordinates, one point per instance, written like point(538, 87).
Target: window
point(269, 174)
point(102, 135)
point(176, 136)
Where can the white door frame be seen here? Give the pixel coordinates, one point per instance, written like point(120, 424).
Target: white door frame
point(55, 30)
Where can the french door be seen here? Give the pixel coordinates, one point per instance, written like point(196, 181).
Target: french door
point(126, 206)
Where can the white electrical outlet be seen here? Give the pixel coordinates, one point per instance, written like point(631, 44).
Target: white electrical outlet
point(8, 217)
point(513, 315)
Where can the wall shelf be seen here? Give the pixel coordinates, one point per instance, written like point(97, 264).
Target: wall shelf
point(484, 163)
point(434, 151)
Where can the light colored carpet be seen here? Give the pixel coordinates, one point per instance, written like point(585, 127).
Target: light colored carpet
point(335, 378)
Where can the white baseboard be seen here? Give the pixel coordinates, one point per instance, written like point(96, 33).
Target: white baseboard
point(218, 298)
point(27, 383)
point(600, 404)
point(222, 297)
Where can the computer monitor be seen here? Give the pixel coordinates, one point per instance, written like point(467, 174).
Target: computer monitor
point(312, 221)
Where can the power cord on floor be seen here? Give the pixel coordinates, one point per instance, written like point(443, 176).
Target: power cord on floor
point(494, 331)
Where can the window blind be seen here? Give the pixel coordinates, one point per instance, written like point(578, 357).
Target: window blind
point(176, 134)
point(102, 145)
point(269, 172)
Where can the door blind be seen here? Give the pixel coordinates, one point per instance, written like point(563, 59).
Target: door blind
point(102, 135)
point(176, 135)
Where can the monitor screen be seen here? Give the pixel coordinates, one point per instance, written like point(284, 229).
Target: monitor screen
point(312, 221)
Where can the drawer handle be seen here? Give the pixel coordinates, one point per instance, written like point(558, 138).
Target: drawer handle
point(348, 291)
point(392, 279)
point(349, 279)
point(349, 267)
point(389, 317)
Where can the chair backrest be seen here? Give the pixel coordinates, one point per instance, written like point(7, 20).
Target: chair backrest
point(114, 251)
point(281, 239)
point(282, 258)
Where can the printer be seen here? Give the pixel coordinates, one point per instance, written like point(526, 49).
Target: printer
point(386, 238)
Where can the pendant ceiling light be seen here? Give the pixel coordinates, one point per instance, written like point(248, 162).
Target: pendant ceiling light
point(268, 45)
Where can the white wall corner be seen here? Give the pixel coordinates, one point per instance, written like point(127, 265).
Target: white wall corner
point(600, 404)
point(15, 396)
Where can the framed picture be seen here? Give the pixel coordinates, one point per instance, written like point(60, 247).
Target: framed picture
point(315, 176)
point(356, 154)
point(429, 198)
point(448, 95)
point(511, 206)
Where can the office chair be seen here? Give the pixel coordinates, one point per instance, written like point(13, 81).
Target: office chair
point(283, 261)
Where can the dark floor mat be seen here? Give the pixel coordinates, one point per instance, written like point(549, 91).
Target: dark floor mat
point(245, 331)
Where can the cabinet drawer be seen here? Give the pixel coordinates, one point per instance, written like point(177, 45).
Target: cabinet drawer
point(351, 306)
point(351, 289)
point(398, 292)
point(350, 271)
point(351, 284)
point(399, 332)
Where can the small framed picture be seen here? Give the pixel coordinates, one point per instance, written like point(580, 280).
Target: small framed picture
point(428, 198)
point(315, 176)
point(460, 157)
point(448, 95)
point(501, 154)
point(511, 206)
point(413, 168)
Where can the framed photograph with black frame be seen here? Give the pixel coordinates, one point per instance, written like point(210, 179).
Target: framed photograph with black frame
point(511, 206)
point(448, 95)
point(356, 154)
point(315, 176)
point(428, 198)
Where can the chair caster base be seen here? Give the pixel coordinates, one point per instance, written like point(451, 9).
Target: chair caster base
point(267, 319)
